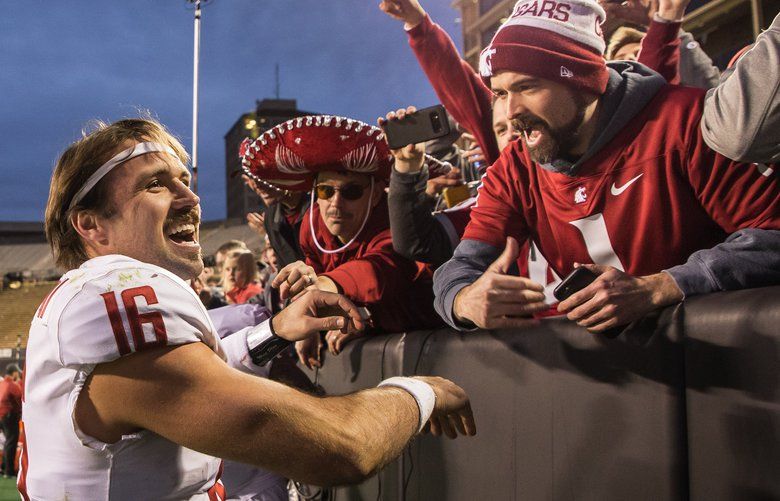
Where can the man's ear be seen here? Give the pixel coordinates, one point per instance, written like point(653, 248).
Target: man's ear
point(89, 226)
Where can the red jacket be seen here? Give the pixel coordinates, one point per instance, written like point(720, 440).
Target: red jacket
point(396, 291)
point(10, 397)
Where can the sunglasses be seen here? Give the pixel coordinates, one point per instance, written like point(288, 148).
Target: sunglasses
point(348, 191)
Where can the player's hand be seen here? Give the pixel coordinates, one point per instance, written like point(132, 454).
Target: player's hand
point(410, 158)
point(408, 11)
point(616, 298)
point(497, 300)
point(337, 339)
point(309, 351)
point(256, 220)
point(452, 414)
point(316, 311)
point(293, 279)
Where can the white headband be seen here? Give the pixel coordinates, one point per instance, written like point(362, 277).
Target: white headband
point(123, 156)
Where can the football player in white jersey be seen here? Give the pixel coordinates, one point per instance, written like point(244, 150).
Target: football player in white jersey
point(130, 394)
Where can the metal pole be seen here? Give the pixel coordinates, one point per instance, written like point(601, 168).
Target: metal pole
point(195, 70)
point(757, 16)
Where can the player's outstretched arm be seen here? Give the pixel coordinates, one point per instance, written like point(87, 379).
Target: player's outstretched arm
point(187, 394)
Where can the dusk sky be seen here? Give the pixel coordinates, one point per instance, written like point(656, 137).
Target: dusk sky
point(65, 63)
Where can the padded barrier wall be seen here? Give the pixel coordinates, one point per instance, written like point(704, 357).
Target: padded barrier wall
point(683, 405)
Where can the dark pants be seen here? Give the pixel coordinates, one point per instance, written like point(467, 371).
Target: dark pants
point(10, 425)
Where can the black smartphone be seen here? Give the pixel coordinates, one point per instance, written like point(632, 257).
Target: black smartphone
point(575, 281)
point(418, 127)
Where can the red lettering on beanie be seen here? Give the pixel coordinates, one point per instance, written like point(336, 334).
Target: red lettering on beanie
point(562, 12)
point(529, 8)
point(547, 8)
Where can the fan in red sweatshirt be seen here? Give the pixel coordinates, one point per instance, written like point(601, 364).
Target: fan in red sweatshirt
point(345, 236)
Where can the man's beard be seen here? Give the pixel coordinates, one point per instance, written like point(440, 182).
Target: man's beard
point(557, 142)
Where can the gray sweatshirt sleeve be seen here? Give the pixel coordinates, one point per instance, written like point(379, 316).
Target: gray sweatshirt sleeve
point(742, 115)
point(417, 234)
point(470, 260)
point(748, 258)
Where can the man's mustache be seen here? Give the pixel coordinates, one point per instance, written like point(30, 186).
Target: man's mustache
point(526, 122)
point(191, 216)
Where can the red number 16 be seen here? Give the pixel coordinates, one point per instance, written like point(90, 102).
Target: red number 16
point(135, 319)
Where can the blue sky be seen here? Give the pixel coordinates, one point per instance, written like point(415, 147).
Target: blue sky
point(64, 63)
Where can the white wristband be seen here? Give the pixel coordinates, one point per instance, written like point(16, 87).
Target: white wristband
point(421, 391)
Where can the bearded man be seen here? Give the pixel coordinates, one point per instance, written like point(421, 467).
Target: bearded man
point(613, 171)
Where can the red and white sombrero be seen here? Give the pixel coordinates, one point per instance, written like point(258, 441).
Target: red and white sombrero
point(290, 155)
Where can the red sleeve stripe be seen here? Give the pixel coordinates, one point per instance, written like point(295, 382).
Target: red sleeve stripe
point(42, 307)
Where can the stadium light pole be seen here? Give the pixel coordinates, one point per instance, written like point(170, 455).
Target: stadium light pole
point(195, 72)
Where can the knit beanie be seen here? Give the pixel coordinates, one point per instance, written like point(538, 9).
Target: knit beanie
point(553, 40)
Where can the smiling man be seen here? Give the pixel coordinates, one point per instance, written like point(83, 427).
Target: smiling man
point(129, 392)
point(612, 170)
point(345, 236)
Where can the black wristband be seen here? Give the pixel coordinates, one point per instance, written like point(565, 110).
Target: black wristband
point(268, 343)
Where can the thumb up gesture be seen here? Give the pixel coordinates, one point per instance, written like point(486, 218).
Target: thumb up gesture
point(497, 300)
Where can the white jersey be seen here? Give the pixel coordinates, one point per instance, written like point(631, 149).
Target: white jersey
point(110, 307)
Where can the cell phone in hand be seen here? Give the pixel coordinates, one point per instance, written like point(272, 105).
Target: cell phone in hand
point(575, 281)
point(418, 127)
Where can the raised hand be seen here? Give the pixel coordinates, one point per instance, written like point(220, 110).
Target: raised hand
point(672, 10)
point(410, 158)
point(498, 300)
point(408, 11)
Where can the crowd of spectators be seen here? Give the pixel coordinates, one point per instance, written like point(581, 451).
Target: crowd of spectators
point(622, 99)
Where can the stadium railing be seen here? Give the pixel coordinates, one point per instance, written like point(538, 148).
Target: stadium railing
point(683, 405)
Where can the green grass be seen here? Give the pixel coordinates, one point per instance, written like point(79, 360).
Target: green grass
point(8, 490)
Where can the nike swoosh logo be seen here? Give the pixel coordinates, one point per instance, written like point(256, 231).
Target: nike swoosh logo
point(617, 191)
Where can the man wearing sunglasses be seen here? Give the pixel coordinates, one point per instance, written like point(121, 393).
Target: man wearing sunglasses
point(345, 236)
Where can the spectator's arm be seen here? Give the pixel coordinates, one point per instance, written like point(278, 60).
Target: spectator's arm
point(742, 115)
point(416, 232)
point(660, 49)
point(457, 85)
point(376, 274)
point(494, 217)
point(748, 258)
point(468, 263)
